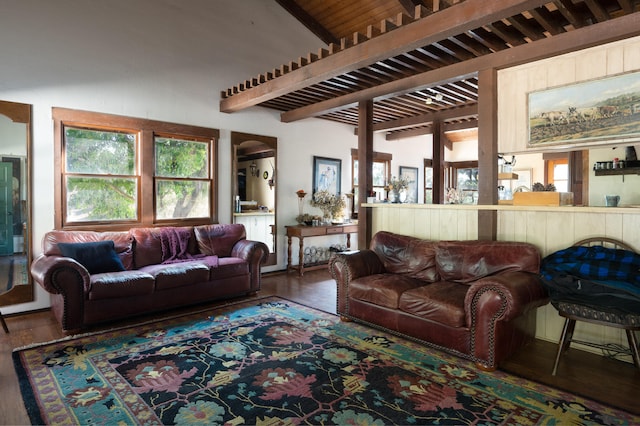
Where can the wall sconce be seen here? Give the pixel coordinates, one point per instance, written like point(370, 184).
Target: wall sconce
point(254, 169)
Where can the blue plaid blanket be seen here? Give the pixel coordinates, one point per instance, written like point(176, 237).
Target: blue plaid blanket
point(614, 268)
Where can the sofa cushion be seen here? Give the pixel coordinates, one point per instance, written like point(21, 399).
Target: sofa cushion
point(123, 243)
point(468, 261)
point(216, 239)
point(405, 255)
point(113, 285)
point(229, 267)
point(382, 289)
point(177, 274)
point(97, 256)
point(148, 245)
point(441, 301)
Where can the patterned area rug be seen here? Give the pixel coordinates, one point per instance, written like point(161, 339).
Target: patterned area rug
point(272, 361)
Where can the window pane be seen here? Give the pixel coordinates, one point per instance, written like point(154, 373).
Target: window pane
point(99, 152)
point(379, 174)
point(467, 179)
point(355, 173)
point(101, 199)
point(428, 196)
point(181, 159)
point(428, 177)
point(181, 199)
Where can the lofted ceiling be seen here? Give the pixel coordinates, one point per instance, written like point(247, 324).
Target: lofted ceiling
point(418, 60)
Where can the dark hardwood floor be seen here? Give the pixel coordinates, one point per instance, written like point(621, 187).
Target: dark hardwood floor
point(611, 382)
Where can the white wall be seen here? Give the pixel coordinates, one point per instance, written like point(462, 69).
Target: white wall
point(163, 60)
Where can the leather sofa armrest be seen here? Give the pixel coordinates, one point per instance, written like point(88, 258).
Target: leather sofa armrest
point(256, 254)
point(346, 267)
point(60, 275)
point(68, 280)
point(513, 293)
point(499, 298)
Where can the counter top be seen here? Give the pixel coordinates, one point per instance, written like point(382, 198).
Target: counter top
point(574, 209)
point(254, 213)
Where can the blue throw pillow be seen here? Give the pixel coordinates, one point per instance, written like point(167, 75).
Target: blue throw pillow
point(98, 257)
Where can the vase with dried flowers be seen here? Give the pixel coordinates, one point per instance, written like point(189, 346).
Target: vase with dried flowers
point(332, 205)
point(395, 187)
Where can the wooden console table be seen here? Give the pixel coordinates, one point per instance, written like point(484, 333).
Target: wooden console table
point(303, 231)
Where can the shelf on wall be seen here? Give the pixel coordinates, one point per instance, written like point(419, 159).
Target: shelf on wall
point(507, 176)
point(622, 171)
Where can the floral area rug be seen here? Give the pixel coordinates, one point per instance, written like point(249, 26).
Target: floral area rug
point(272, 361)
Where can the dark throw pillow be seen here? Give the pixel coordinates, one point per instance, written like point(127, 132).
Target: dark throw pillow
point(98, 257)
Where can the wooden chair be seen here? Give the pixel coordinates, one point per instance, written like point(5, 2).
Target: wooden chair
point(575, 312)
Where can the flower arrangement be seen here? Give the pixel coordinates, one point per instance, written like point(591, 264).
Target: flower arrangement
point(331, 205)
point(453, 196)
point(397, 184)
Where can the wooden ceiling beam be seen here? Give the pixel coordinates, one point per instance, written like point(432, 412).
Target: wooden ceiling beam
point(427, 130)
point(605, 32)
point(308, 21)
point(446, 23)
point(447, 114)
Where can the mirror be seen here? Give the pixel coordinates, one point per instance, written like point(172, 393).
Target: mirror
point(254, 187)
point(15, 203)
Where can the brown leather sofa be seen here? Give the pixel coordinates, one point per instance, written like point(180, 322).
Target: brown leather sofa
point(475, 299)
point(115, 275)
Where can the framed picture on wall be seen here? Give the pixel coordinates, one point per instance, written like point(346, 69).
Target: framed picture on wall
point(411, 174)
point(327, 174)
point(586, 113)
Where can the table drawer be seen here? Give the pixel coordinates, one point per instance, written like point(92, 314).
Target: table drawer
point(335, 231)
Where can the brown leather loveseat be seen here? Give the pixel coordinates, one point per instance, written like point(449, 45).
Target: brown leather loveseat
point(475, 299)
point(95, 277)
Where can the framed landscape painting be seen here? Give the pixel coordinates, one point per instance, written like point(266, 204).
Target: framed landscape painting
point(327, 174)
point(592, 112)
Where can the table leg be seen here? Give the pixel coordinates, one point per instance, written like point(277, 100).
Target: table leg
point(289, 252)
point(4, 324)
point(301, 256)
point(348, 240)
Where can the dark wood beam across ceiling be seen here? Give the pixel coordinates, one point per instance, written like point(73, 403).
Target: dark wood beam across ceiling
point(414, 58)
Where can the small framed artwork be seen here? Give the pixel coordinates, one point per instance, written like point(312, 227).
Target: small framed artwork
point(327, 174)
point(411, 174)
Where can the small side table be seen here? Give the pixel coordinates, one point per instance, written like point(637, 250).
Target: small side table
point(302, 231)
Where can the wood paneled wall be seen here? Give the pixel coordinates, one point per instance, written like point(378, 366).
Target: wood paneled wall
point(515, 83)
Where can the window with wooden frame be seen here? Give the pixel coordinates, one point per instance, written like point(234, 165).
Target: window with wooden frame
point(115, 172)
point(557, 173)
point(463, 176)
point(381, 171)
point(428, 181)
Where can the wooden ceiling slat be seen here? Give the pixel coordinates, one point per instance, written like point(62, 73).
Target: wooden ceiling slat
point(547, 20)
point(454, 50)
point(507, 33)
point(598, 11)
point(529, 27)
point(487, 38)
point(470, 44)
point(566, 8)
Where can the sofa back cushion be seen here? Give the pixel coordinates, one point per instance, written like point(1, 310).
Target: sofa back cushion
point(468, 261)
point(122, 241)
point(219, 239)
point(402, 254)
point(148, 245)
